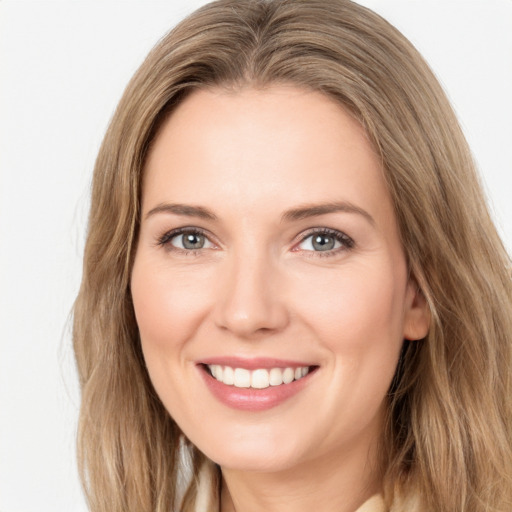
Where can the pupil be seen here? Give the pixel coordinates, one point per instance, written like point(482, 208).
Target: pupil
point(193, 241)
point(323, 242)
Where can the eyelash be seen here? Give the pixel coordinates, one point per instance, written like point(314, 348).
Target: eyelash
point(345, 241)
point(165, 240)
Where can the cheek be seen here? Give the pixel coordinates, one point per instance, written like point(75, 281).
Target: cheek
point(168, 305)
point(358, 307)
point(358, 319)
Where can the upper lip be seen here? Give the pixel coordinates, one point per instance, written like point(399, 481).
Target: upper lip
point(254, 363)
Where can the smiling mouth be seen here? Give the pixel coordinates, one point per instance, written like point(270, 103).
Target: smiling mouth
point(259, 378)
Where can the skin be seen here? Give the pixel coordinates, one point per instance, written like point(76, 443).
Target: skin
point(258, 288)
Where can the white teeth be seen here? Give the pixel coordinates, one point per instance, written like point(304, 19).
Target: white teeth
point(229, 376)
point(260, 379)
point(276, 377)
point(257, 379)
point(242, 378)
point(288, 375)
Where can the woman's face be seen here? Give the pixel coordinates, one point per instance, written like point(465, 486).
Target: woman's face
point(269, 256)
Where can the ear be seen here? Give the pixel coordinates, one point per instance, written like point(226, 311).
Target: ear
point(417, 313)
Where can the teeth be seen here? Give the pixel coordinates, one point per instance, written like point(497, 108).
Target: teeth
point(228, 376)
point(260, 379)
point(242, 378)
point(257, 379)
point(276, 377)
point(288, 375)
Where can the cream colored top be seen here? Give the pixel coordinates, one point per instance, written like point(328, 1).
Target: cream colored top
point(374, 504)
point(205, 501)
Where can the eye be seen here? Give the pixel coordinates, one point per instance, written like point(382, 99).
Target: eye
point(325, 240)
point(186, 239)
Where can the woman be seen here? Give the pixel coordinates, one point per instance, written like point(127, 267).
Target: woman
point(291, 280)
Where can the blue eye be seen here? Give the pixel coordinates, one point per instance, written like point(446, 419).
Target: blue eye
point(325, 240)
point(186, 240)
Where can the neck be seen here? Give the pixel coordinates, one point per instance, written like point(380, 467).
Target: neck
point(335, 482)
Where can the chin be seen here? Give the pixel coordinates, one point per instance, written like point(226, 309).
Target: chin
point(257, 462)
point(257, 453)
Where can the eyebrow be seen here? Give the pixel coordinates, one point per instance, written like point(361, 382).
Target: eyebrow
point(299, 213)
point(315, 210)
point(183, 209)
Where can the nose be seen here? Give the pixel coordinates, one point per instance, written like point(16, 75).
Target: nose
point(251, 299)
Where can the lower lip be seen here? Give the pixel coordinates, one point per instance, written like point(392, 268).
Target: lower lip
point(250, 399)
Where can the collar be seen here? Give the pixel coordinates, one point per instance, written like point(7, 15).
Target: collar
point(206, 502)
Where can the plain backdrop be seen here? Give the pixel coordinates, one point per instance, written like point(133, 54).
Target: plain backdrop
point(63, 67)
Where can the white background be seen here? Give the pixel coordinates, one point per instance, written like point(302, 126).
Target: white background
point(63, 67)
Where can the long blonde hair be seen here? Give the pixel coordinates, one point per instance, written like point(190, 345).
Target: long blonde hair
point(448, 438)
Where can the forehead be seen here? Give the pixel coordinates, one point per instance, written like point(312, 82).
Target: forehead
point(258, 146)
